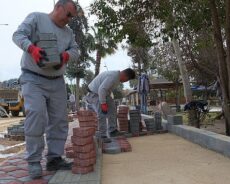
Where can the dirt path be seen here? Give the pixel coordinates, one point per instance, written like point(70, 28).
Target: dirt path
point(165, 159)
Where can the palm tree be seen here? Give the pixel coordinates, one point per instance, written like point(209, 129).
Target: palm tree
point(103, 46)
point(75, 69)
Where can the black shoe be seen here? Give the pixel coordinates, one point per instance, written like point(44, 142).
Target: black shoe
point(58, 163)
point(116, 133)
point(105, 139)
point(35, 170)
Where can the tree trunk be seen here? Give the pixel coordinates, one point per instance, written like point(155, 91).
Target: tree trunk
point(77, 93)
point(222, 61)
point(183, 71)
point(98, 63)
point(193, 119)
point(177, 97)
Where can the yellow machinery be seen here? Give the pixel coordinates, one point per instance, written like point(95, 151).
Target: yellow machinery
point(12, 101)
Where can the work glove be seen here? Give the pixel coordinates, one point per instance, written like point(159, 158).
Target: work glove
point(38, 54)
point(64, 60)
point(104, 108)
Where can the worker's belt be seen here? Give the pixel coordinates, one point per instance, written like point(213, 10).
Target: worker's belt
point(40, 75)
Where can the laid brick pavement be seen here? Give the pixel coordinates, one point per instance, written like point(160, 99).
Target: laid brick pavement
point(15, 169)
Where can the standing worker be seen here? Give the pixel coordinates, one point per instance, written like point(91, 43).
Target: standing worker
point(43, 85)
point(99, 97)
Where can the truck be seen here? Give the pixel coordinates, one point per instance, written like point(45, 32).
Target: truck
point(11, 101)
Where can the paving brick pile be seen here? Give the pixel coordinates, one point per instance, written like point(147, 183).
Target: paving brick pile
point(16, 132)
point(118, 145)
point(123, 118)
point(124, 144)
point(135, 121)
point(87, 118)
point(83, 149)
point(150, 124)
point(158, 120)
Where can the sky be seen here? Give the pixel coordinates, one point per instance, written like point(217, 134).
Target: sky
point(14, 12)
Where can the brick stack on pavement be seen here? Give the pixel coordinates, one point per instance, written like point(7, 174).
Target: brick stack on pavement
point(16, 132)
point(87, 118)
point(158, 120)
point(123, 118)
point(124, 144)
point(84, 150)
point(150, 125)
point(135, 122)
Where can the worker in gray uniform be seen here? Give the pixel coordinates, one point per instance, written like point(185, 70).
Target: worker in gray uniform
point(43, 88)
point(99, 97)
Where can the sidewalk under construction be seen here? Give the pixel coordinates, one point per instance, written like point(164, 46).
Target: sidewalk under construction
point(165, 159)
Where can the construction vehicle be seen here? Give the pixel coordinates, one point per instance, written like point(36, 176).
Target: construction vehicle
point(11, 101)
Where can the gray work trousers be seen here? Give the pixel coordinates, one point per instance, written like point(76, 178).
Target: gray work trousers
point(93, 100)
point(45, 102)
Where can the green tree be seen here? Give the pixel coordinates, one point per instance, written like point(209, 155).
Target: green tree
point(75, 69)
point(103, 46)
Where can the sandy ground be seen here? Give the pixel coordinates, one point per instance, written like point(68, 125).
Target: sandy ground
point(218, 127)
point(165, 159)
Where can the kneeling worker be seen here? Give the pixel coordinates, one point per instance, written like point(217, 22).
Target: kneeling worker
point(99, 97)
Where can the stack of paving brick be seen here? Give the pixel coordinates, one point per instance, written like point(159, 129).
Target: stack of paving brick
point(16, 132)
point(87, 118)
point(123, 118)
point(135, 121)
point(124, 144)
point(158, 120)
point(150, 124)
point(84, 150)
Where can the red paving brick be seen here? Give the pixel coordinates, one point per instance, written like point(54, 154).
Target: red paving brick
point(15, 182)
point(8, 168)
point(19, 173)
point(85, 113)
point(84, 162)
point(82, 170)
point(5, 176)
point(84, 149)
point(83, 132)
point(82, 141)
point(39, 181)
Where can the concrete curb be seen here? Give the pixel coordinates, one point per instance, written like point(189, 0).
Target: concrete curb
point(213, 141)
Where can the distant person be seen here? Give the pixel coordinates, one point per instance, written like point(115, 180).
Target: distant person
point(44, 89)
point(99, 97)
point(72, 102)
